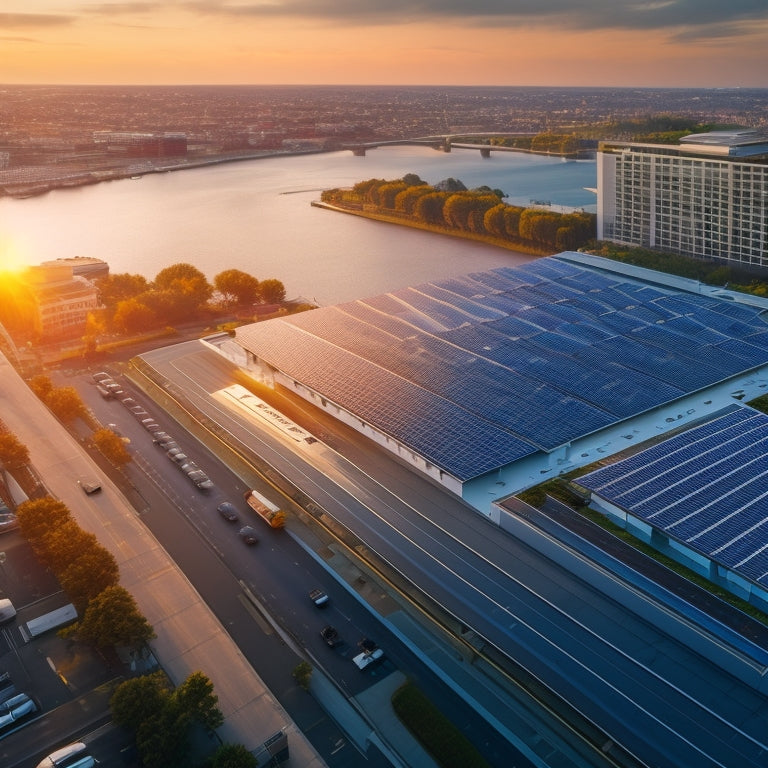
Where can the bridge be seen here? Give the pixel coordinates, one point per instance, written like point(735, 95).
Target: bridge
point(445, 142)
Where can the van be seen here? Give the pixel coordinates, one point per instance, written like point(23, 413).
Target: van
point(7, 611)
point(71, 756)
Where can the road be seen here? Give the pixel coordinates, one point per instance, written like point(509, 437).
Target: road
point(631, 676)
point(278, 572)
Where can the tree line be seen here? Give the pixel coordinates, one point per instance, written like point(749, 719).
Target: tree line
point(479, 212)
point(133, 304)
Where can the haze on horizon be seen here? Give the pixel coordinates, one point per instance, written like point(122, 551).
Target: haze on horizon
point(621, 43)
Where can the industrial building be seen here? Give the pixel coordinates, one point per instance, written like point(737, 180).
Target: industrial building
point(492, 382)
point(706, 197)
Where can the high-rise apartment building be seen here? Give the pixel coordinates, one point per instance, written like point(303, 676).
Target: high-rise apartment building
point(706, 197)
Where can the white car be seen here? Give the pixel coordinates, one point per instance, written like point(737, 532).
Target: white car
point(27, 707)
point(366, 658)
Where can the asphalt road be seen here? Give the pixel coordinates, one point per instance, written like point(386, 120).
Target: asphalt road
point(632, 676)
point(277, 571)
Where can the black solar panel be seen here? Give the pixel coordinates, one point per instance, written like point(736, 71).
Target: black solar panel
point(706, 487)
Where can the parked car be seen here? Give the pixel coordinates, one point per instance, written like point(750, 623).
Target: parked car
point(330, 635)
point(72, 756)
point(129, 402)
point(13, 702)
point(149, 424)
point(101, 376)
point(319, 598)
point(227, 510)
point(25, 708)
point(248, 534)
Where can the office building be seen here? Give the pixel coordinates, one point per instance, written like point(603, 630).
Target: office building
point(706, 197)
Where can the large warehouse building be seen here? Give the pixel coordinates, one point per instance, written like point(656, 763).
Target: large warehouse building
point(494, 381)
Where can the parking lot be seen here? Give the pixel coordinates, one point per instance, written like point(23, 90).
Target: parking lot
point(70, 684)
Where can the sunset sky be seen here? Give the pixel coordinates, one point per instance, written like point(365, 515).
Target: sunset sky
point(708, 43)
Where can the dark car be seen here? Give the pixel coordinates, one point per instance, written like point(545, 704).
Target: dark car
point(90, 486)
point(248, 534)
point(330, 635)
point(227, 510)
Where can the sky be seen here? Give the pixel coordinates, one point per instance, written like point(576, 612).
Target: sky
point(673, 43)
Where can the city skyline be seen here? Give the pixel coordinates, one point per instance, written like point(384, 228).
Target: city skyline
point(674, 43)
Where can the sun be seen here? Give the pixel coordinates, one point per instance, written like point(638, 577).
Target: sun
point(10, 258)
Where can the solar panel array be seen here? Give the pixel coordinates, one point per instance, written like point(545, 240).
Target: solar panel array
point(516, 359)
point(706, 487)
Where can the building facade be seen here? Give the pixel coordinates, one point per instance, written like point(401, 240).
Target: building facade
point(706, 197)
point(62, 301)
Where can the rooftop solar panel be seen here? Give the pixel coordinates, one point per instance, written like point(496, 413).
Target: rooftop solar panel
point(543, 353)
point(706, 487)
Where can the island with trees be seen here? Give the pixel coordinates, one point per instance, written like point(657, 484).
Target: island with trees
point(476, 214)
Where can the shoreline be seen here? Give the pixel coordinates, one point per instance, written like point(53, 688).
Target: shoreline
point(485, 239)
point(23, 190)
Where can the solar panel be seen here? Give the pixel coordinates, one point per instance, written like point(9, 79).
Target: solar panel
point(539, 355)
point(706, 487)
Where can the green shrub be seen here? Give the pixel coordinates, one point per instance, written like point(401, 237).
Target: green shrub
point(445, 743)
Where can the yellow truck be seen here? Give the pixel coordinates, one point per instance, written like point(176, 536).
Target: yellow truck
point(271, 514)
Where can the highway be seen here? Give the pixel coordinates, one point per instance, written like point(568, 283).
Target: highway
point(633, 677)
point(260, 593)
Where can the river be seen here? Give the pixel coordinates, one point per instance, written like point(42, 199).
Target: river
point(256, 216)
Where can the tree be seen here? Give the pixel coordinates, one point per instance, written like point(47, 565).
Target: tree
point(66, 404)
point(196, 698)
point(38, 516)
point(13, 453)
point(133, 316)
point(233, 756)
point(41, 385)
point(121, 286)
point(91, 573)
point(429, 208)
point(63, 545)
point(113, 618)
point(236, 286)
point(139, 699)
point(272, 291)
point(111, 446)
point(187, 280)
point(163, 740)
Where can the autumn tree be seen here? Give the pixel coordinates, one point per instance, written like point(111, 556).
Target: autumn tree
point(88, 575)
point(41, 385)
point(186, 285)
point(121, 286)
point(112, 446)
point(429, 208)
point(38, 516)
point(133, 316)
point(113, 618)
point(405, 201)
point(64, 544)
point(66, 404)
point(13, 453)
point(272, 291)
point(237, 287)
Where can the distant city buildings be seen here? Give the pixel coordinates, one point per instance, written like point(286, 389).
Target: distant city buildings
point(706, 197)
point(136, 144)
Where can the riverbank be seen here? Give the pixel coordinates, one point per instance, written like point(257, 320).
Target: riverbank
point(497, 242)
point(39, 180)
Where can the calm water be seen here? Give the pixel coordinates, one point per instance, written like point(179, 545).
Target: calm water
point(256, 216)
